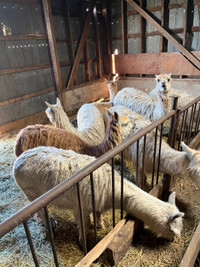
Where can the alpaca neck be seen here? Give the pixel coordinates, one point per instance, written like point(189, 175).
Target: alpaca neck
point(111, 139)
point(163, 106)
point(173, 162)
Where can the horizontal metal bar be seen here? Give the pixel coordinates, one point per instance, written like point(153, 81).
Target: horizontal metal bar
point(190, 104)
point(42, 201)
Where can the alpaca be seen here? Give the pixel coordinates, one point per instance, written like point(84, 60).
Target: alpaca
point(32, 136)
point(40, 169)
point(112, 88)
point(172, 162)
point(90, 119)
point(183, 97)
point(149, 107)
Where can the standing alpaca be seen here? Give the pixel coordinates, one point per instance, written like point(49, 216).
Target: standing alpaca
point(183, 97)
point(40, 169)
point(32, 136)
point(112, 88)
point(149, 107)
point(90, 119)
point(172, 162)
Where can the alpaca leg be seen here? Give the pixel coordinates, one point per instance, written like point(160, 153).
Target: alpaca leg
point(86, 222)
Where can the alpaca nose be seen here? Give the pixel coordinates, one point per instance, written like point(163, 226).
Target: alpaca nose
point(164, 85)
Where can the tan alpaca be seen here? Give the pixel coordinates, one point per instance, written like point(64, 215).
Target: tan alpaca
point(44, 135)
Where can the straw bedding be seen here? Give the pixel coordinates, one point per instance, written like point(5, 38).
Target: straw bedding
point(146, 251)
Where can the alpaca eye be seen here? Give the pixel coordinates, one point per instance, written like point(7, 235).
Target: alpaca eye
point(158, 80)
point(168, 80)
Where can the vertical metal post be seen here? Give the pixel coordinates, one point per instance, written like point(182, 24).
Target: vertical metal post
point(93, 207)
point(122, 184)
point(82, 219)
point(31, 243)
point(191, 123)
point(158, 168)
point(154, 157)
point(113, 192)
point(173, 122)
point(143, 161)
point(137, 161)
point(51, 236)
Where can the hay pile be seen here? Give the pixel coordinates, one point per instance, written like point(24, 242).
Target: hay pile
point(147, 250)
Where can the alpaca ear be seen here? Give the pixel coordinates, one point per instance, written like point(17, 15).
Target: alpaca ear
point(58, 102)
point(116, 116)
point(172, 198)
point(175, 215)
point(109, 113)
point(187, 149)
point(170, 75)
point(48, 105)
point(156, 76)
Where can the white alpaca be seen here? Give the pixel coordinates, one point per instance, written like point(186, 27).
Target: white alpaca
point(172, 162)
point(119, 127)
point(149, 107)
point(183, 97)
point(90, 119)
point(40, 169)
point(112, 88)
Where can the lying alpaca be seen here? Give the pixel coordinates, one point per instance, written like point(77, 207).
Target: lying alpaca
point(149, 107)
point(172, 162)
point(32, 136)
point(40, 169)
point(90, 119)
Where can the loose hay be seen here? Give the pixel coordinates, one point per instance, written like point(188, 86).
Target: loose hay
point(147, 250)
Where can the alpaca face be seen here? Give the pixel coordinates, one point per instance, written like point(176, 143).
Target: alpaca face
point(127, 126)
point(52, 110)
point(163, 82)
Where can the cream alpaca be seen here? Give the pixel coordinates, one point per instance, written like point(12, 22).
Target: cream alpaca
point(90, 119)
point(40, 169)
point(172, 162)
point(43, 135)
point(149, 107)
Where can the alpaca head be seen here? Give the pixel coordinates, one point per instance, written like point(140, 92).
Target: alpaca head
point(126, 125)
point(52, 110)
point(173, 218)
point(163, 83)
point(194, 162)
point(112, 87)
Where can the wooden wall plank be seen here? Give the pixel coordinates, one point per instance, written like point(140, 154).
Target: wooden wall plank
point(191, 58)
point(124, 27)
point(52, 46)
point(81, 45)
point(152, 63)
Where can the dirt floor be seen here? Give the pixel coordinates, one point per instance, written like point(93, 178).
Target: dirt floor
point(146, 251)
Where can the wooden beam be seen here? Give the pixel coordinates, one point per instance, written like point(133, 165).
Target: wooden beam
point(97, 45)
point(188, 23)
point(191, 58)
point(107, 16)
point(23, 37)
point(152, 63)
point(124, 27)
point(26, 68)
point(142, 29)
point(52, 47)
point(81, 45)
point(20, 98)
point(69, 31)
point(164, 24)
point(192, 250)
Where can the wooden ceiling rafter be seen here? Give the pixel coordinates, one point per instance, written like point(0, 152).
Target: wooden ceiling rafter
point(81, 46)
point(183, 51)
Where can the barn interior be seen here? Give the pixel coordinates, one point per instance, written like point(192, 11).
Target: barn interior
point(67, 49)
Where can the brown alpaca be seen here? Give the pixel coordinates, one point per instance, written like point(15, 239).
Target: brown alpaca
point(44, 135)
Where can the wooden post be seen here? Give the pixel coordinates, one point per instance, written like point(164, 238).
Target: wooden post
point(164, 24)
point(97, 45)
point(142, 29)
point(81, 45)
point(52, 47)
point(190, 57)
point(107, 15)
point(69, 32)
point(124, 26)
